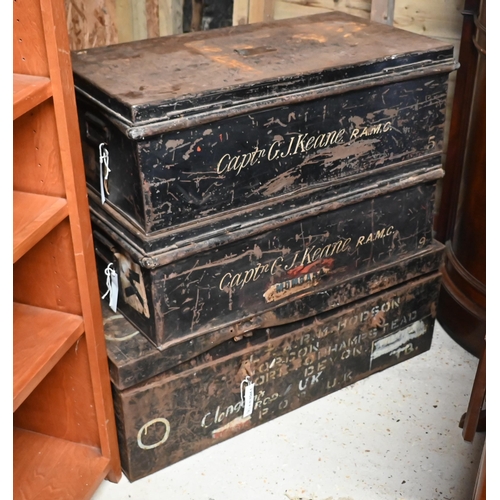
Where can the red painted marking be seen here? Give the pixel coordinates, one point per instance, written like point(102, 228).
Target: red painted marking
point(311, 268)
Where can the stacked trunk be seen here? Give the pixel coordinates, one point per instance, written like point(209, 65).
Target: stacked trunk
point(265, 195)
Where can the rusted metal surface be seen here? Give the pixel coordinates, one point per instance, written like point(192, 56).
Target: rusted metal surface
point(243, 277)
point(139, 76)
point(198, 404)
point(202, 124)
point(133, 359)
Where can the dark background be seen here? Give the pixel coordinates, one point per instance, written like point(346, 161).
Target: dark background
point(216, 14)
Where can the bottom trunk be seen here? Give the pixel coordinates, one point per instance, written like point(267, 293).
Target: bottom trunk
point(200, 403)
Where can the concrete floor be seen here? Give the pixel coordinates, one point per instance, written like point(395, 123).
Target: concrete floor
point(394, 435)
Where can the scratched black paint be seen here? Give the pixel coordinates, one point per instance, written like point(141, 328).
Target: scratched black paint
point(184, 183)
point(172, 244)
point(202, 293)
point(178, 171)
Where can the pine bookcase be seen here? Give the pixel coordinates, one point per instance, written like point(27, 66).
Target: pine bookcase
point(64, 435)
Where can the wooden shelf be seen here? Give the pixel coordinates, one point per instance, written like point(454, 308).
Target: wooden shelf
point(65, 440)
point(49, 468)
point(41, 338)
point(35, 216)
point(29, 92)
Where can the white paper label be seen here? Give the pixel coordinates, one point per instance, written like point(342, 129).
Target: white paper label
point(112, 285)
point(248, 408)
point(113, 295)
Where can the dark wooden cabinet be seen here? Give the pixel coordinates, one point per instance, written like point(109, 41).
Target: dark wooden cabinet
point(461, 223)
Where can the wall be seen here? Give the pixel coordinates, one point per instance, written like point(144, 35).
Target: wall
point(93, 23)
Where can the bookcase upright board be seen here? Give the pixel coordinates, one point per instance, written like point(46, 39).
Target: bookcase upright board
point(65, 441)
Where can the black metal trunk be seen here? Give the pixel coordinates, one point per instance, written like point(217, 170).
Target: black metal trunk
point(198, 404)
point(203, 126)
point(225, 285)
point(134, 359)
